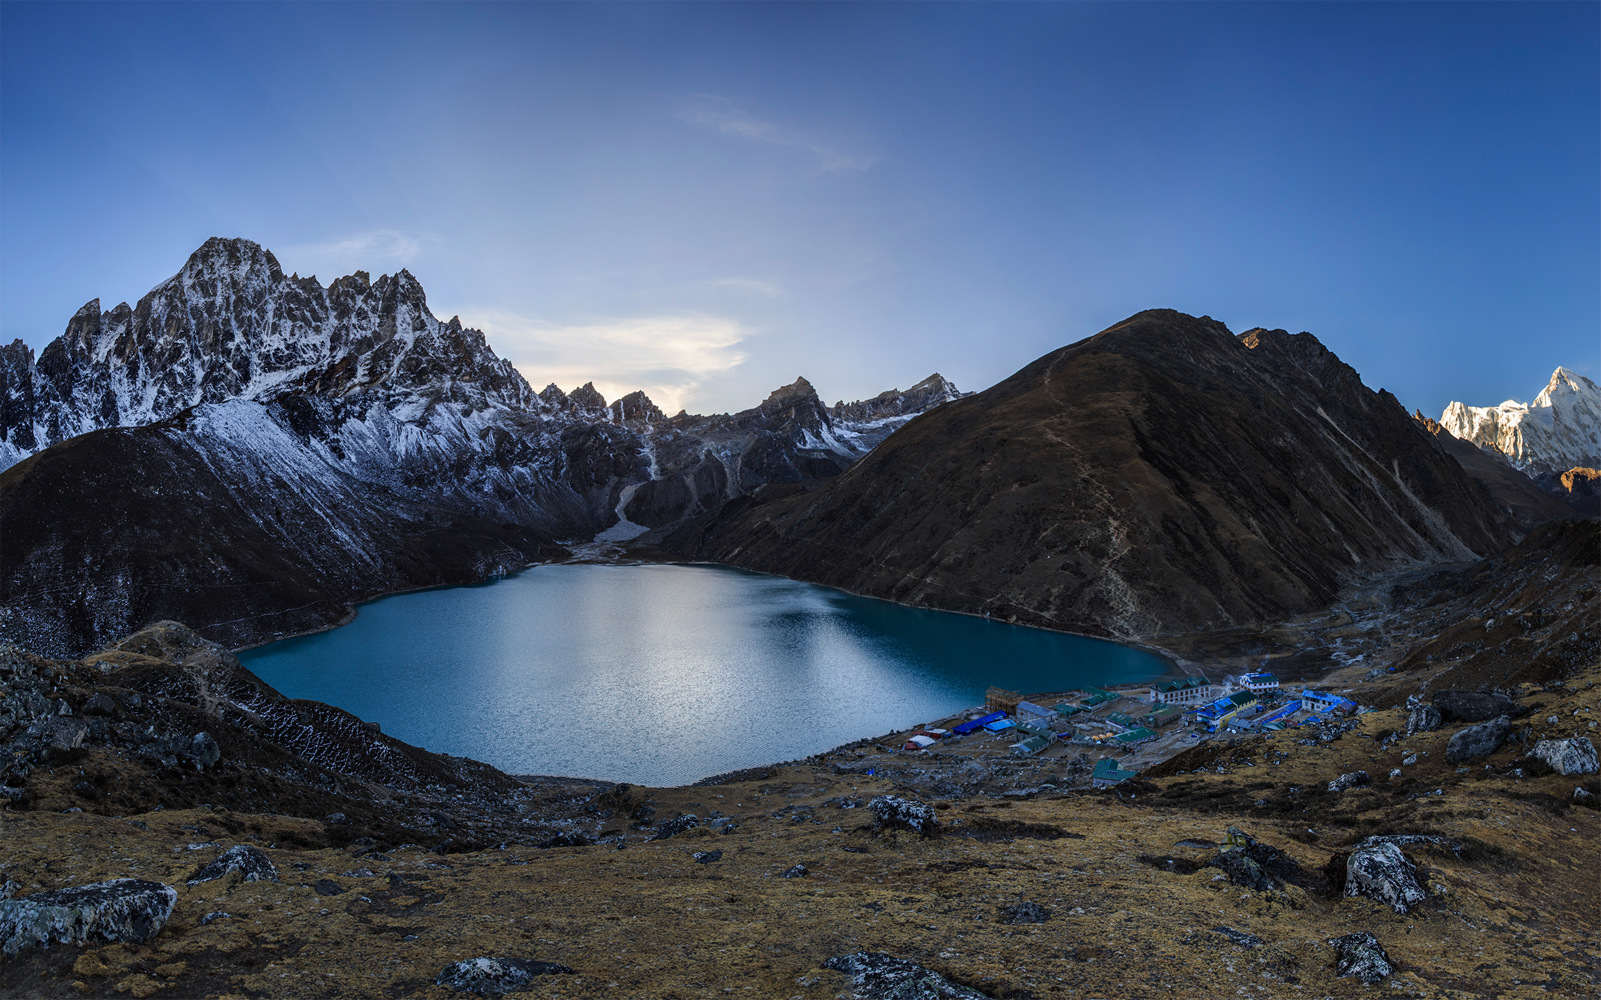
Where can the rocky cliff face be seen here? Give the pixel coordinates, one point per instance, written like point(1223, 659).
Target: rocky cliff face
point(1561, 429)
point(250, 451)
point(1162, 476)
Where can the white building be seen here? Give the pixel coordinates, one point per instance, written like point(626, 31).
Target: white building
point(1257, 683)
point(1189, 691)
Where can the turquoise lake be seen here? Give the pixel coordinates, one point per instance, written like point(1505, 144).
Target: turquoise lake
point(663, 675)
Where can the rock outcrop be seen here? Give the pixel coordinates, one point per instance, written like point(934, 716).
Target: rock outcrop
point(249, 862)
point(1422, 718)
point(1362, 956)
point(493, 976)
point(891, 812)
point(1352, 779)
point(1570, 756)
point(1471, 706)
point(125, 909)
point(1378, 870)
point(877, 976)
point(1478, 741)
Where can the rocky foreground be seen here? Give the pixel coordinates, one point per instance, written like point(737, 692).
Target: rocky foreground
point(174, 827)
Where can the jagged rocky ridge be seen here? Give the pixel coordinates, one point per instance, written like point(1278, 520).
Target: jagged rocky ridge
point(1161, 477)
point(251, 452)
point(1561, 429)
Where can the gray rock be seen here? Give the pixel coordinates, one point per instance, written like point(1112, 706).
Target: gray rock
point(215, 915)
point(1380, 871)
point(890, 812)
point(1025, 913)
point(203, 750)
point(1361, 955)
point(255, 866)
point(491, 976)
point(65, 733)
point(799, 871)
point(1584, 797)
point(1574, 756)
point(1423, 718)
point(676, 825)
point(877, 976)
point(1409, 839)
point(1472, 706)
point(1242, 869)
point(100, 703)
point(327, 887)
point(1355, 779)
point(707, 857)
point(1478, 741)
point(124, 909)
point(1240, 938)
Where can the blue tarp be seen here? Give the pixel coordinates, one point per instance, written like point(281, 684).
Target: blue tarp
point(1004, 724)
point(975, 724)
point(1283, 713)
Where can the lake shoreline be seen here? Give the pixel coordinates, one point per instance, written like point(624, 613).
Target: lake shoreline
point(528, 673)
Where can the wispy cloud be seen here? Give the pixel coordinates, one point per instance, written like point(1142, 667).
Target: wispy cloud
point(667, 356)
point(751, 286)
point(375, 250)
point(722, 115)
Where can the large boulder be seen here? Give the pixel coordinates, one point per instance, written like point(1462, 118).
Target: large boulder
point(1361, 955)
point(491, 976)
point(1355, 779)
point(676, 825)
point(1478, 741)
point(1472, 706)
point(125, 909)
point(1422, 718)
point(1378, 870)
point(1250, 863)
point(890, 812)
point(255, 866)
point(1574, 756)
point(877, 976)
point(203, 750)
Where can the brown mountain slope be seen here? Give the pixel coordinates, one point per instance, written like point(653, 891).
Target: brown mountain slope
point(1162, 476)
point(1510, 488)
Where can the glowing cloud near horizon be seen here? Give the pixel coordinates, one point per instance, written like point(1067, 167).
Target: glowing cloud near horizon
point(666, 356)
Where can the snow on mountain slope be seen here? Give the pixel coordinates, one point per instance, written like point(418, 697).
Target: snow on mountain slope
point(365, 375)
point(249, 451)
point(1561, 429)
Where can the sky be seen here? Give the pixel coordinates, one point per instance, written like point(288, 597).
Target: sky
point(707, 200)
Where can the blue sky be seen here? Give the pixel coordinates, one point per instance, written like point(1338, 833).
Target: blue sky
point(708, 200)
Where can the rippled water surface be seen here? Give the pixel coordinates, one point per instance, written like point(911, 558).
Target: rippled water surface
point(663, 675)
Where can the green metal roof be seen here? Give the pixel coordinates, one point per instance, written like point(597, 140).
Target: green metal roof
point(1180, 685)
point(1107, 770)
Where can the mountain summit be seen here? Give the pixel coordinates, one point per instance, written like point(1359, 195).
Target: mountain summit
point(1560, 430)
point(1162, 476)
point(250, 451)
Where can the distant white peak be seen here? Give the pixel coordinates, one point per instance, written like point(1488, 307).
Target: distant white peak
point(1559, 430)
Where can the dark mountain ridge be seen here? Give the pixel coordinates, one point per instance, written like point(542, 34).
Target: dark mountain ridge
point(1162, 476)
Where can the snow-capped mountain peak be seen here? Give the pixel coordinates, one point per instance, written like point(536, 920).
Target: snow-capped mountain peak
point(1561, 429)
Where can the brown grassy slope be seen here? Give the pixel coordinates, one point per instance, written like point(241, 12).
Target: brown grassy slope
point(1512, 916)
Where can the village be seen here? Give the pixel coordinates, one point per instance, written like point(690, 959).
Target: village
point(1127, 728)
